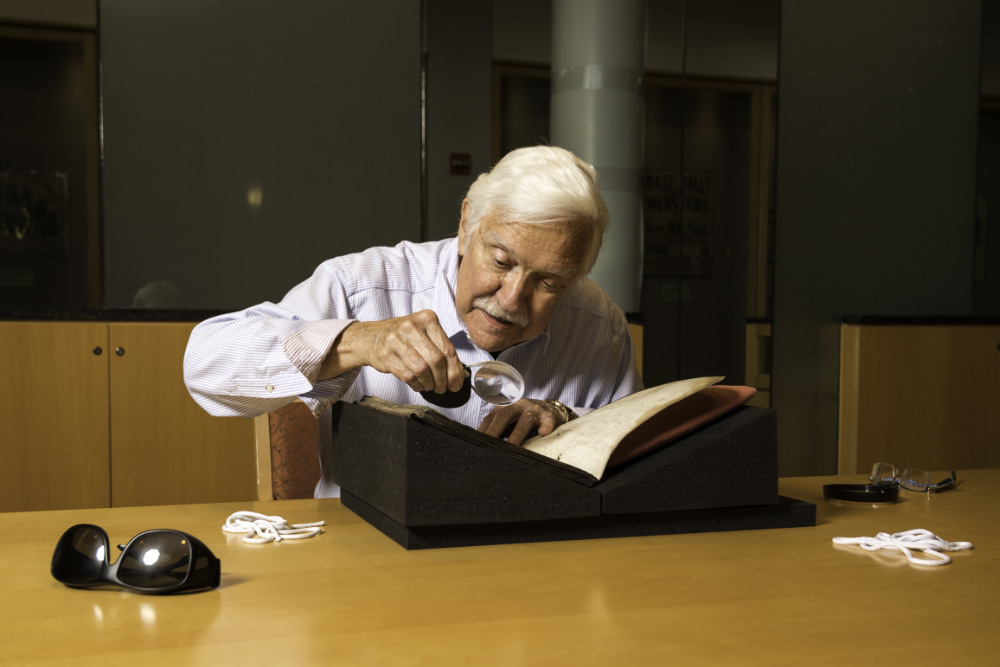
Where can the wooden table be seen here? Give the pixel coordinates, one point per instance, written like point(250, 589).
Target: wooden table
point(352, 596)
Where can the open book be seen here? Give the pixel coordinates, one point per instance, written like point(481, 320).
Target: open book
point(583, 448)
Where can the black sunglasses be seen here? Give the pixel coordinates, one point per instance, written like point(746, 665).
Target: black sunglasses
point(154, 561)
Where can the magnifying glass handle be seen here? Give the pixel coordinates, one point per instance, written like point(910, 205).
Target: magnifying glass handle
point(451, 399)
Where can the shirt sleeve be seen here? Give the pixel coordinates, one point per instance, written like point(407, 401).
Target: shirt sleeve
point(256, 360)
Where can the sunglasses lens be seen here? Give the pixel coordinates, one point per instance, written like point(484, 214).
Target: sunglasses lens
point(207, 569)
point(156, 560)
point(80, 555)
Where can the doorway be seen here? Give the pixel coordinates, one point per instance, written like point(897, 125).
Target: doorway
point(50, 255)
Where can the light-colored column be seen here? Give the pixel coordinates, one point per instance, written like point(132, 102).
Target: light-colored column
point(598, 51)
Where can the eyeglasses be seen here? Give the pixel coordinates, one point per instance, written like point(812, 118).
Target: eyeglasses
point(913, 479)
point(154, 561)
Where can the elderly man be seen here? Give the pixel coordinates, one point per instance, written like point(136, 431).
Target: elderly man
point(392, 322)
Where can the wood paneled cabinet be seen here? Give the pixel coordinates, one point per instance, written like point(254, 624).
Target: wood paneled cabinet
point(926, 396)
point(96, 414)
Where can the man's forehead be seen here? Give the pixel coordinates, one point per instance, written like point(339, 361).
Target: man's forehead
point(541, 243)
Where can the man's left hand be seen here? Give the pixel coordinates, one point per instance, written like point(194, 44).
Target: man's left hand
point(525, 416)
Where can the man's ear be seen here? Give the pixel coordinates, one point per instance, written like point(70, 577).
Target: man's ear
point(462, 226)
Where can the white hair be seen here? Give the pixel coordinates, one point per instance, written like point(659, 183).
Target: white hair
point(541, 185)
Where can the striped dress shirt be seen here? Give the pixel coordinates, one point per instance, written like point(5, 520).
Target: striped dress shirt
point(256, 360)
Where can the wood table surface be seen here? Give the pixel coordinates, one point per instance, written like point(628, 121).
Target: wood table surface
point(352, 596)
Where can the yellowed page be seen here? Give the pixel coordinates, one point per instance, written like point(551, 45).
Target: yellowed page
point(588, 442)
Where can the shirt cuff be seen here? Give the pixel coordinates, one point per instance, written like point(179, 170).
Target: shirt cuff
point(308, 347)
point(327, 392)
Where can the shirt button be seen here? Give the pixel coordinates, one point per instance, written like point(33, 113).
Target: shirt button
point(270, 388)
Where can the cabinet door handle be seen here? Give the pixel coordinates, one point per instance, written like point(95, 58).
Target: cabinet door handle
point(120, 351)
point(98, 351)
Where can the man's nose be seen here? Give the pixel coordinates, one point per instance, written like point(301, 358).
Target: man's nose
point(512, 291)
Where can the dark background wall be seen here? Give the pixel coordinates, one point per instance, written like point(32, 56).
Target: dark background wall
point(245, 143)
point(878, 107)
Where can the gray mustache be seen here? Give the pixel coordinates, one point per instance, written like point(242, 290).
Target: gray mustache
point(490, 305)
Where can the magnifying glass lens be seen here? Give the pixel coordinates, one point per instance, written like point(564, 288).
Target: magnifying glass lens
point(497, 382)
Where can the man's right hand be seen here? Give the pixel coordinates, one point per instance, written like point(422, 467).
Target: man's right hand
point(414, 348)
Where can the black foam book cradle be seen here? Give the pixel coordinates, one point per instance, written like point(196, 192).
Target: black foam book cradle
point(427, 488)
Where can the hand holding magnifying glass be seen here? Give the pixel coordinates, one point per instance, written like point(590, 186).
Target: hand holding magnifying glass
point(495, 382)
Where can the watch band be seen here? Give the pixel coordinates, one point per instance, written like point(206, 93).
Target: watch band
point(568, 415)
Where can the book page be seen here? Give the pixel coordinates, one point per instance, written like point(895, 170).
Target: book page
point(587, 442)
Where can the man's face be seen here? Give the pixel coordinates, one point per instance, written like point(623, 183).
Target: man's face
point(511, 277)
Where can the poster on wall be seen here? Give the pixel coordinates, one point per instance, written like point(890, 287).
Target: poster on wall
point(678, 223)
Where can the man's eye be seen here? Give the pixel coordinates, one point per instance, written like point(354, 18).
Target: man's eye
point(500, 263)
point(551, 285)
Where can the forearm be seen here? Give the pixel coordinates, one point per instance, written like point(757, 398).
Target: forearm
point(348, 351)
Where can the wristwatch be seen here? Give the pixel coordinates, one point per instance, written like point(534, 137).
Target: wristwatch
point(568, 415)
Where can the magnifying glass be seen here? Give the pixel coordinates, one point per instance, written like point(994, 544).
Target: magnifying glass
point(495, 382)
